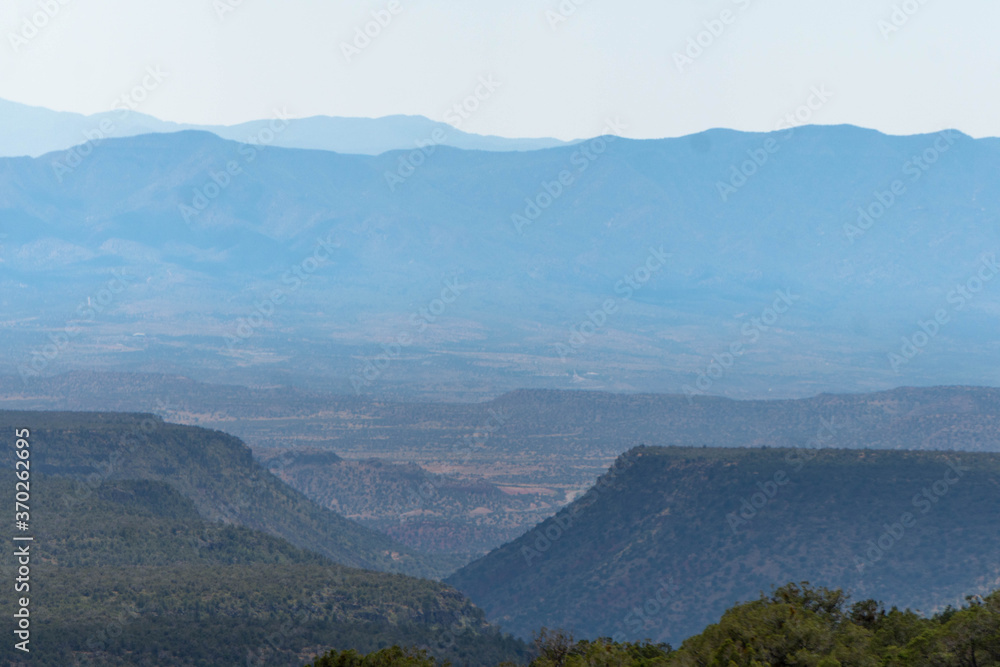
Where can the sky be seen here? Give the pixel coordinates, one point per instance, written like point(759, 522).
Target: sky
point(517, 68)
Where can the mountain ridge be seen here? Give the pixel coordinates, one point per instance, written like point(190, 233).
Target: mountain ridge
point(212, 235)
point(699, 529)
point(212, 469)
point(352, 135)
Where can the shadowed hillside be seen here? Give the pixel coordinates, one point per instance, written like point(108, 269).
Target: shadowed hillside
point(215, 471)
point(131, 574)
point(671, 537)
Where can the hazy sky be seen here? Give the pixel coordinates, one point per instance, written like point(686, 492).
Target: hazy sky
point(227, 61)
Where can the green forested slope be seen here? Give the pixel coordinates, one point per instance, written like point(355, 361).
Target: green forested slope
point(214, 470)
point(132, 575)
point(797, 624)
point(671, 537)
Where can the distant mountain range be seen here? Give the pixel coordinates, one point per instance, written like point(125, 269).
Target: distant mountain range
point(838, 264)
point(35, 131)
point(671, 537)
point(571, 425)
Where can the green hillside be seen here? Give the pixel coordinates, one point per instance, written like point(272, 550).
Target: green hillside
point(132, 575)
point(797, 624)
point(214, 470)
point(538, 447)
point(671, 537)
